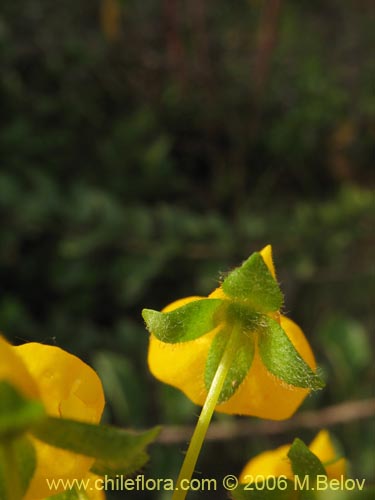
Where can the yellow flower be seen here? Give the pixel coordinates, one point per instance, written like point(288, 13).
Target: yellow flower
point(275, 463)
point(68, 388)
point(95, 493)
point(13, 370)
point(260, 394)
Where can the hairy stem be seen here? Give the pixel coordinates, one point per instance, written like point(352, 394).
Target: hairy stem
point(204, 420)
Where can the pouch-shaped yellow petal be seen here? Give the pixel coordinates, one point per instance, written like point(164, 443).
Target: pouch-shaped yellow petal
point(269, 463)
point(14, 371)
point(181, 365)
point(69, 388)
point(323, 448)
point(262, 394)
point(276, 462)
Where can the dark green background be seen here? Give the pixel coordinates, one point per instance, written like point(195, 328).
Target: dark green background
point(138, 162)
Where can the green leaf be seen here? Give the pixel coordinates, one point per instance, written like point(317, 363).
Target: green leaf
point(276, 490)
point(240, 365)
point(117, 451)
point(120, 466)
point(281, 358)
point(73, 494)
point(253, 283)
point(17, 413)
point(304, 461)
point(305, 464)
point(188, 322)
point(17, 463)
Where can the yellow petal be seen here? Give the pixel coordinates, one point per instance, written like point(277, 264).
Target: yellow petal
point(323, 448)
point(266, 253)
point(263, 395)
point(181, 365)
point(181, 302)
point(276, 462)
point(218, 294)
point(337, 469)
point(69, 388)
point(13, 370)
point(95, 491)
point(269, 463)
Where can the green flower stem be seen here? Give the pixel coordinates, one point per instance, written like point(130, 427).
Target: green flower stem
point(204, 420)
point(11, 476)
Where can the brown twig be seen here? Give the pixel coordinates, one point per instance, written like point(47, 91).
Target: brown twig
point(175, 50)
point(348, 411)
point(266, 43)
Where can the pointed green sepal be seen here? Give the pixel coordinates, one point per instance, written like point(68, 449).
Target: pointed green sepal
point(304, 462)
point(240, 365)
point(188, 322)
point(17, 412)
point(281, 358)
point(17, 466)
point(253, 283)
point(306, 466)
point(117, 451)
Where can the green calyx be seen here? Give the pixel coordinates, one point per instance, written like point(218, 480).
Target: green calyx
point(252, 296)
point(188, 322)
point(240, 366)
point(282, 359)
point(304, 462)
point(249, 289)
point(253, 284)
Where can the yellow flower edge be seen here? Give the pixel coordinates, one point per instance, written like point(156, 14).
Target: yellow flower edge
point(276, 462)
point(13, 371)
point(266, 253)
point(323, 448)
point(68, 388)
point(269, 463)
point(92, 491)
point(261, 394)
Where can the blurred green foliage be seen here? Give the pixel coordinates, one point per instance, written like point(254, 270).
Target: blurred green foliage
point(143, 155)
